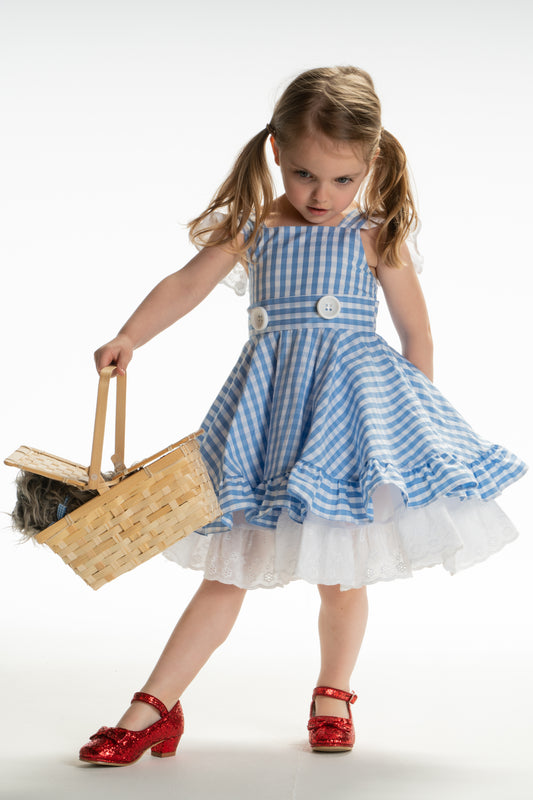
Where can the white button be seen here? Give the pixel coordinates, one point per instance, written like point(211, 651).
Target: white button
point(259, 318)
point(328, 307)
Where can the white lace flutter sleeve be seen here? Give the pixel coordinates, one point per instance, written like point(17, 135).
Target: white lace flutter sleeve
point(237, 279)
point(416, 257)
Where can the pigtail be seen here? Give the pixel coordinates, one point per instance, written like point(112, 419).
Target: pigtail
point(389, 198)
point(247, 192)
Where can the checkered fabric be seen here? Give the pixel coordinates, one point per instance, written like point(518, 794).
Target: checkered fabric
point(317, 413)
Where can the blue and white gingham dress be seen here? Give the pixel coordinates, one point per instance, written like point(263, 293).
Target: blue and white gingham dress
point(336, 460)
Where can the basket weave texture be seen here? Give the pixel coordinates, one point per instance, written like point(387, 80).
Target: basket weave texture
point(152, 506)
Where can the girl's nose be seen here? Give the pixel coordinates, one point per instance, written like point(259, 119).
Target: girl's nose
point(319, 193)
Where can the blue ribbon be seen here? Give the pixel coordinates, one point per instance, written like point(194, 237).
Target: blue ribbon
point(62, 508)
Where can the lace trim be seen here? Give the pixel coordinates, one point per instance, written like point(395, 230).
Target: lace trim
point(448, 532)
point(237, 279)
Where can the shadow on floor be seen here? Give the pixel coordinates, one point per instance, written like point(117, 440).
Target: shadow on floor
point(268, 772)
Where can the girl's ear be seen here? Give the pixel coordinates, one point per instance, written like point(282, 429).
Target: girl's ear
point(275, 150)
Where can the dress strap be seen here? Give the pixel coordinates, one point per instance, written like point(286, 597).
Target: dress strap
point(353, 219)
point(248, 227)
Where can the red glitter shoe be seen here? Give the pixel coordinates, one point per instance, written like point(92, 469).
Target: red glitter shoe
point(119, 746)
point(331, 734)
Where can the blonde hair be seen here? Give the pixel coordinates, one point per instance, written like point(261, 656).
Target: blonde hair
point(341, 104)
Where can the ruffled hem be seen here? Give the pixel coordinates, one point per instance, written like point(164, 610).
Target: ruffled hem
point(307, 489)
point(448, 532)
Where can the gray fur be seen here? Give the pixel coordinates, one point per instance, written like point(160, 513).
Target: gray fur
point(37, 501)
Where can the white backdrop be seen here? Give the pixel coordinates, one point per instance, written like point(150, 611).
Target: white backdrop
point(119, 120)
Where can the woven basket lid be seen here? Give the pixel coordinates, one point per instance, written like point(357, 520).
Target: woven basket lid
point(61, 469)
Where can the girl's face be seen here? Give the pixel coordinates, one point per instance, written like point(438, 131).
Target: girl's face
point(321, 177)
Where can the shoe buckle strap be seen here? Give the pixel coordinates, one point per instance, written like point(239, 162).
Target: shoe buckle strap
point(142, 697)
point(337, 694)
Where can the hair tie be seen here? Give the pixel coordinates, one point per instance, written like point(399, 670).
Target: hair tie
point(271, 129)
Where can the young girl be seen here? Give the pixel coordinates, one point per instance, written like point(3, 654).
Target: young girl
point(334, 457)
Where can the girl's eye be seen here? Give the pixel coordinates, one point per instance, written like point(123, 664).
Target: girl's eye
point(302, 173)
point(344, 180)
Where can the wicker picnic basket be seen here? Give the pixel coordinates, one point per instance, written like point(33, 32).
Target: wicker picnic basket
point(138, 512)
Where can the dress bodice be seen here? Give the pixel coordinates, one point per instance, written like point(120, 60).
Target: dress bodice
point(307, 261)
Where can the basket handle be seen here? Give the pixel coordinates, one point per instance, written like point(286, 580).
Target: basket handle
point(95, 478)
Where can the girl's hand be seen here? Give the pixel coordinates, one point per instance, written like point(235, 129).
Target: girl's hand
point(118, 351)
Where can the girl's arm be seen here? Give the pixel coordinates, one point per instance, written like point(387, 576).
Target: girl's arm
point(170, 300)
point(408, 311)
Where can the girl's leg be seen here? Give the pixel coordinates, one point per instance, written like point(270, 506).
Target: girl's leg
point(341, 625)
point(204, 625)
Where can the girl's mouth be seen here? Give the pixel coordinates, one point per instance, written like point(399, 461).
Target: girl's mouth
point(318, 211)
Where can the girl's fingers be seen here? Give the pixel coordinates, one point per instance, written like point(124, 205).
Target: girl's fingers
point(104, 357)
point(123, 359)
point(118, 360)
point(116, 353)
point(122, 363)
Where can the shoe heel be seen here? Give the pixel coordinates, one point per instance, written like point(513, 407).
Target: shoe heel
point(166, 748)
